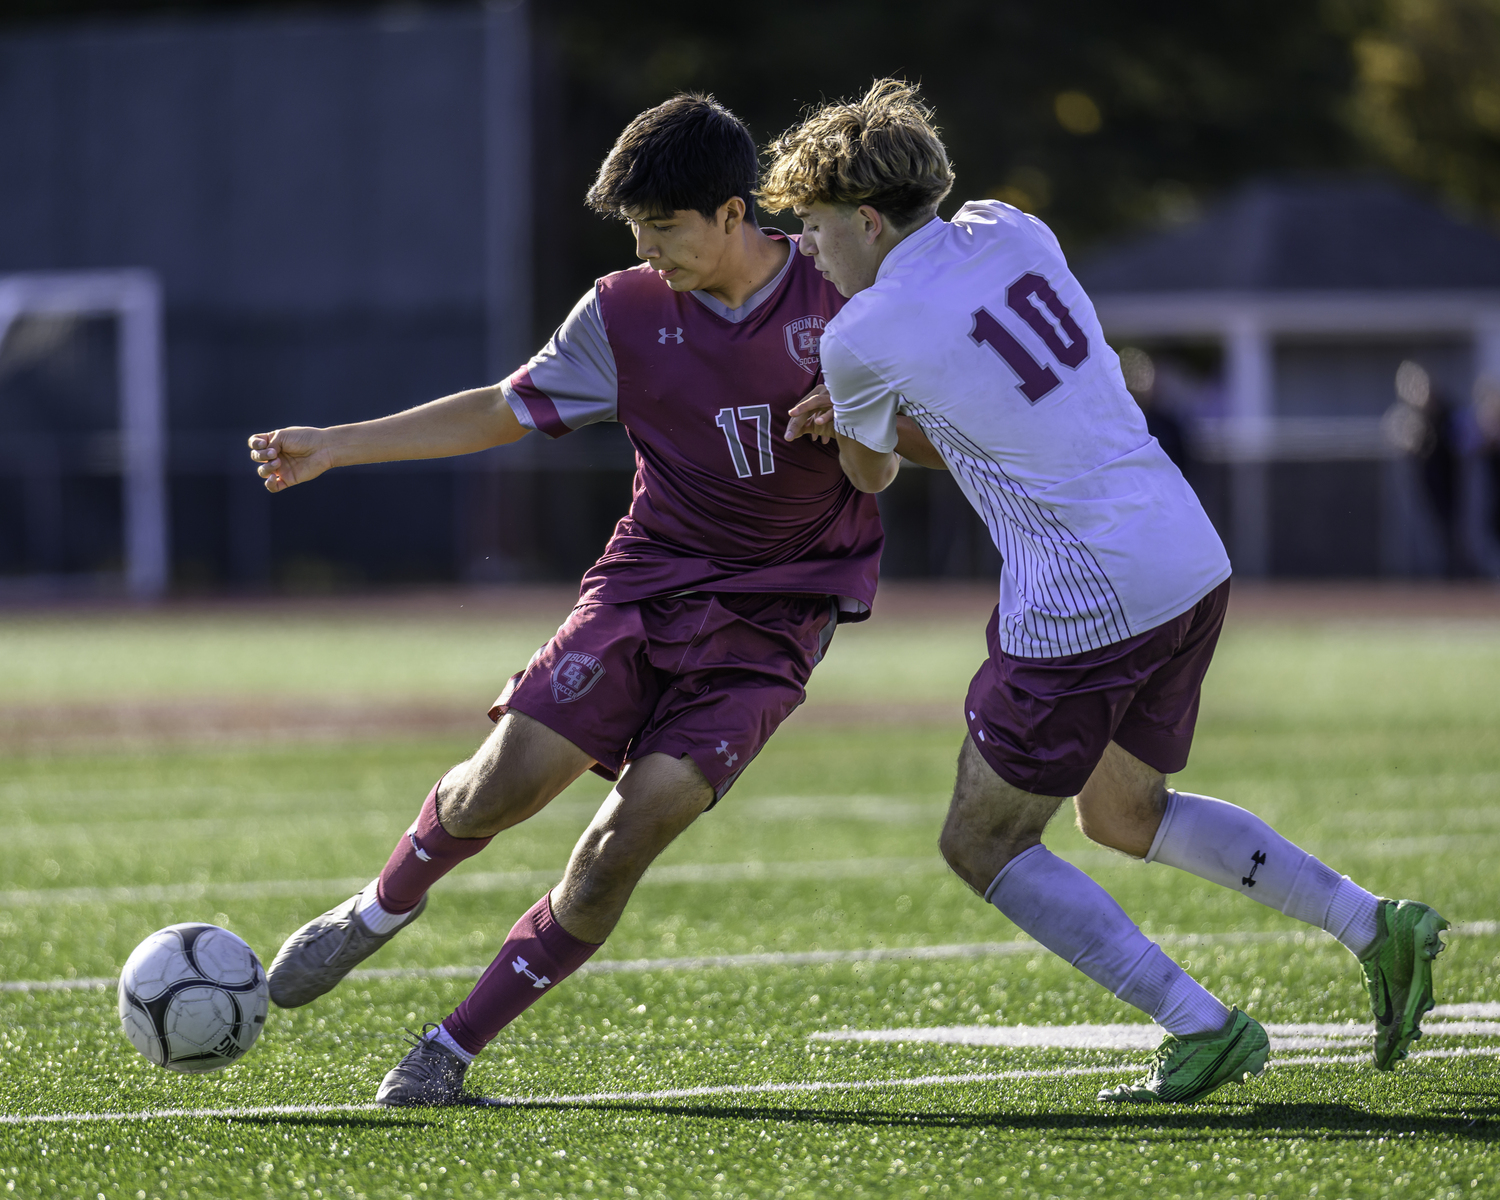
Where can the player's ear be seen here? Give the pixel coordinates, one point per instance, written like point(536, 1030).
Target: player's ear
point(731, 214)
point(874, 224)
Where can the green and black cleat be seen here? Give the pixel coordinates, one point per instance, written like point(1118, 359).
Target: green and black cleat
point(1398, 975)
point(1185, 1069)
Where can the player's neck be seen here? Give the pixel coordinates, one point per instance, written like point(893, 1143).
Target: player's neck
point(890, 238)
point(752, 262)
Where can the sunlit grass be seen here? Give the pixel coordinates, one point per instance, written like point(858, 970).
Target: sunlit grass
point(1375, 745)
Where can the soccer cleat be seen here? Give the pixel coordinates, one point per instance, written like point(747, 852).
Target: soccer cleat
point(315, 958)
point(1398, 975)
point(430, 1074)
point(1185, 1069)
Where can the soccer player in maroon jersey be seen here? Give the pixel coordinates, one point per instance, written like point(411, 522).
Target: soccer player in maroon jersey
point(695, 632)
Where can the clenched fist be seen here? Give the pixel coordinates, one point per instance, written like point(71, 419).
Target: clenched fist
point(287, 457)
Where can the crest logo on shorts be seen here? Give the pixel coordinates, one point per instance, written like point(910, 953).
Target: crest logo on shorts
point(574, 675)
point(802, 338)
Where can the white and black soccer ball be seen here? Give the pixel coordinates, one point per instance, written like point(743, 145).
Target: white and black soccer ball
point(193, 997)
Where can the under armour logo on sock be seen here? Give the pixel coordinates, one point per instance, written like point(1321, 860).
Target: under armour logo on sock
point(1259, 859)
point(665, 335)
point(417, 846)
point(729, 759)
point(521, 967)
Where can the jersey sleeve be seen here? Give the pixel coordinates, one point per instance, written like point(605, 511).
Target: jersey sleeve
point(572, 381)
point(864, 408)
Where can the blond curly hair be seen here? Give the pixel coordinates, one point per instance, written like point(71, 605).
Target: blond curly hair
point(881, 150)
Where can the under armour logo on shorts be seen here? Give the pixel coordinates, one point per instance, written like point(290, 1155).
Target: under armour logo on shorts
point(665, 335)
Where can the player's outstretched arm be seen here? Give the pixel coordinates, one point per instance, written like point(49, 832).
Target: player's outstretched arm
point(462, 423)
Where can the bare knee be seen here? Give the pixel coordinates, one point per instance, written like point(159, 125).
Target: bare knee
point(1124, 819)
point(989, 822)
point(951, 845)
point(656, 799)
point(965, 848)
point(514, 775)
point(472, 804)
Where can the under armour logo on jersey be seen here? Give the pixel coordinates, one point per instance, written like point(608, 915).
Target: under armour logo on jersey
point(729, 759)
point(677, 337)
point(522, 967)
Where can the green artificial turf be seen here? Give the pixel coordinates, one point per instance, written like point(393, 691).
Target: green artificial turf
point(1374, 745)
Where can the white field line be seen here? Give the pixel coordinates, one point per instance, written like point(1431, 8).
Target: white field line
point(669, 874)
point(732, 1089)
point(804, 958)
point(148, 827)
point(1484, 1009)
point(173, 1114)
point(1133, 1037)
point(491, 881)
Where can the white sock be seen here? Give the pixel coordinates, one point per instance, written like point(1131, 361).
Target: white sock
point(445, 1038)
point(1188, 1008)
point(1075, 918)
point(377, 919)
point(1227, 845)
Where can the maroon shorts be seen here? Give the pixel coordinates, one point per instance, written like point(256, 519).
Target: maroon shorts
point(705, 676)
point(1043, 723)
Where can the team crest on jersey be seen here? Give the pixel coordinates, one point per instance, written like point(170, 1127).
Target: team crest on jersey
point(802, 338)
point(574, 675)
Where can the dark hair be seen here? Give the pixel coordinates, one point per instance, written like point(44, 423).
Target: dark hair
point(689, 153)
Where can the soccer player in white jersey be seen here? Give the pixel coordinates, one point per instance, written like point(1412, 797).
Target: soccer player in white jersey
point(1111, 597)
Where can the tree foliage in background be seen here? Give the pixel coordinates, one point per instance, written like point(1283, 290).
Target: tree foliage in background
point(1098, 115)
point(1101, 116)
point(1426, 99)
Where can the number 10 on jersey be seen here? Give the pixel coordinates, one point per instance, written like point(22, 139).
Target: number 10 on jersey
point(761, 415)
point(1032, 299)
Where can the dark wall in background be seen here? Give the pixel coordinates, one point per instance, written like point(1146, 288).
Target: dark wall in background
point(311, 190)
point(309, 181)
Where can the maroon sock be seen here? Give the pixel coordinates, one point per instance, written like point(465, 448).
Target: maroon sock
point(538, 953)
point(425, 853)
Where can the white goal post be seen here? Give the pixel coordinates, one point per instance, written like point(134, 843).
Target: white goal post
point(133, 298)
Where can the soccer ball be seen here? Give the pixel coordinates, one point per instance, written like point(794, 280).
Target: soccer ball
point(193, 997)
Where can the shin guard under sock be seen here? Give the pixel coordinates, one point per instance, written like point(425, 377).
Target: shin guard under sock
point(538, 954)
point(1076, 919)
point(425, 853)
point(1230, 846)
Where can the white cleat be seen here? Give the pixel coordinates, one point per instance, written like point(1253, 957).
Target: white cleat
point(318, 956)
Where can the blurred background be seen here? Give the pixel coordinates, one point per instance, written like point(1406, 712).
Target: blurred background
point(218, 218)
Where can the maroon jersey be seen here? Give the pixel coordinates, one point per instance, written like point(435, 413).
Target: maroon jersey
point(721, 502)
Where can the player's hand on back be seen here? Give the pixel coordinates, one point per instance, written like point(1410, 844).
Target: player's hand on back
point(286, 457)
point(812, 415)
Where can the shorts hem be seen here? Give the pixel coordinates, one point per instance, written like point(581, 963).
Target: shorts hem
point(1067, 780)
point(1165, 754)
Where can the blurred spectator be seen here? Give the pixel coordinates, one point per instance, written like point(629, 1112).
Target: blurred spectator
point(1422, 425)
point(1140, 378)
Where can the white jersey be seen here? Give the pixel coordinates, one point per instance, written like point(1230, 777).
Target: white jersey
point(977, 330)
